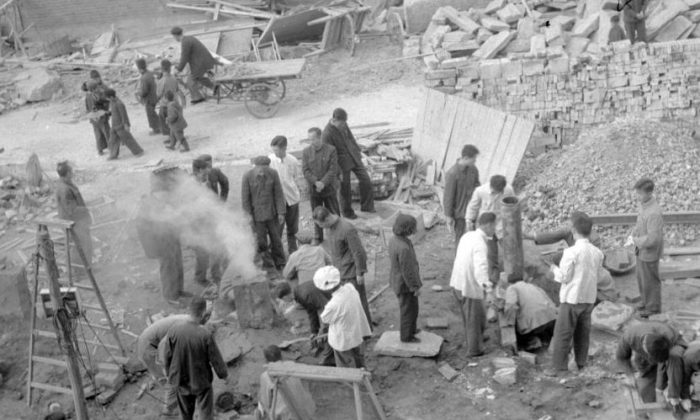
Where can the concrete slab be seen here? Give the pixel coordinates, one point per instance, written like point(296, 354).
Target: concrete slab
point(585, 27)
point(482, 35)
point(665, 13)
point(494, 25)
point(462, 49)
point(389, 344)
point(448, 372)
point(566, 22)
point(693, 4)
point(693, 16)
point(675, 29)
point(538, 44)
point(527, 28)
point(437, 322)
point(495, 44)
point(553, 35)
point(494, 6)
point(577, 45)
point(611, 316)
point(510, 14)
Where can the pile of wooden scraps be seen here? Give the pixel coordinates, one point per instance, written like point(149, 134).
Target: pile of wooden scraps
point(220, 8)
point(387, 143)
point(344, 20)
point(416, 186)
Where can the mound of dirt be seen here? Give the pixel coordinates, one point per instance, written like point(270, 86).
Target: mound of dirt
point(597, 173)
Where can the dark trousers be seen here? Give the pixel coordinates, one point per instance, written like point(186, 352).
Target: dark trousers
point(194, 84)
point(119, 136)
point(271, 252)
point(636, 31)
point(366, 192)
point(492, 256)
point(152, 116)
point(544, 333)
point(476, 325)
point(408, 318)
point(163, 119)
point(649, 283)
point(101, 129)
point(329, 200)
point(460, 228)
point(363, 297)
point(573, 324)
point(202, 401)
point(208, 262)
point(178, 136)
point(291, 220)
point(669, 374)
point(327, 355)
point(81, 228)
point(352, 358)
point(172, 277)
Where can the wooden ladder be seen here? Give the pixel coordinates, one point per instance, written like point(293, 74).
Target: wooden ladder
point(66, 227)
point(356, 377)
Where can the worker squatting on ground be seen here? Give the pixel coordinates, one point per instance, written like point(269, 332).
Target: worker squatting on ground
point(303, 263)
point(404, 276)
point(338, 134)
point(347, 324)
point(147, 350)
point(166, 83)
point(460, 182)
point(96, 102)
point(71, 206)
point(303, 402)
point(176, 124)
point(531, 311)
point(470, 277)
point(263, 199)
point(347, 252)
point(289, 171)
point(648, 240)
point(121, 127)
point(655, 351)
point(190, 354)
point(194, 53)
point(147, 95)
point(160, 237)
point(320, 167)
point(578, 274)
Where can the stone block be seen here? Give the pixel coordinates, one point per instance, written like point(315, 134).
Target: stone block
point(455, 37)
point(678, 28)
point(106, 397)
point(577, 45)
point(517, 46)
point(110, 380)
point(389, 344)
point(437, 322)
point(108, 368)
point(254, 304)
point(510, 14)
point(693, 16)
point(527, 28)
point(469, 73)
point(505, 376)
point(663, 15)
point(447, 372)
point(411, 46)
point(452, 63)
point(494, 45)
point(482, 35)
point(558, 65)
point(586, 26)
point(618, 82)
point(463, 22)
point(553, 35)
point(538, 44)
point(502, 363)
point(693, 4)
point(438, 34)
point(611, 316)
point(528, 357)
point(463, 49)
point(431, 62)
point(533, 67)
point(231, 342)
point(512, 69)
point(491, 69)
point(566, 22)
point(494, 6)
point(38, 84)
point(440, 74)
point(621, 46)
point(15, 298)
point(494, 25)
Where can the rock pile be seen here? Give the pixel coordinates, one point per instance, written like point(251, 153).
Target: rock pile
point(597, 173)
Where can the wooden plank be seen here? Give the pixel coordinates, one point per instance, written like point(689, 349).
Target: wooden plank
point(282, 69)
point(681, 217)
point(682, 251)
point(235, 42)
point(6, 5)
point(316, 373)
point(58, 223)
point(49, 361)
point(292, 28)
point(679, 269)
point(52, 388)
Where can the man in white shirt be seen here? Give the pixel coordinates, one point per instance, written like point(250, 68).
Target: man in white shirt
point(470, 277)
point(578, 274)
point(289, 170)
point(487, 198)
point(346, 319)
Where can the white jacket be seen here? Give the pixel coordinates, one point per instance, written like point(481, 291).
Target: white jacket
point(470, 273)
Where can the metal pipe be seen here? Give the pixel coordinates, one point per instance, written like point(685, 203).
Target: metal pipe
point(513, 257)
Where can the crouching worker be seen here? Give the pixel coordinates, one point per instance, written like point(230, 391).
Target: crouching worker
point(303, 263)
point(655, 351)
point(347, 322)
point(292, 388)
point(531, 311)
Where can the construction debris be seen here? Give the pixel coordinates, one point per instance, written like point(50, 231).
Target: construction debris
point(38, 84)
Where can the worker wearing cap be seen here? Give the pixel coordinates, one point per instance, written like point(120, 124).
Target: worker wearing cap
point(194, 53)
point(148, 95)
point(263, 199)
point(166, 83)
point(121, 127)
point(347, 323)
point(95, 102)
point(289, 171)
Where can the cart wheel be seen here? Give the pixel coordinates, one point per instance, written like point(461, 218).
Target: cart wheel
point(279, 84)
point(394, 26)
point(263, 99)
point(348, 34)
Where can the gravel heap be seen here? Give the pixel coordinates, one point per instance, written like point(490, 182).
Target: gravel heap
point(597, 173)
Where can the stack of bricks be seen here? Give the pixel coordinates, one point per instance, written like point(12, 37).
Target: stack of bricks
point(655, 80)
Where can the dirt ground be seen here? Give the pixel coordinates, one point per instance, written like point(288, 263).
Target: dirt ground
point(409, 389)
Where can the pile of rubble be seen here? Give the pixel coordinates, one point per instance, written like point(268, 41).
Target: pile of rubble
point(539, 29)
point(597, 173)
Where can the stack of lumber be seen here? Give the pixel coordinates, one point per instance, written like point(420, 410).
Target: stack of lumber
point(219, 8)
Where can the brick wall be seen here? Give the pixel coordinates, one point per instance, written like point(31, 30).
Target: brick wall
point(656, 80)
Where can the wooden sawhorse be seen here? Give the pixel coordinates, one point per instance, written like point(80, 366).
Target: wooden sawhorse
point(356, 377)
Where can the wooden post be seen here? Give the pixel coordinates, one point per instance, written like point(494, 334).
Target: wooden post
point(64, 324)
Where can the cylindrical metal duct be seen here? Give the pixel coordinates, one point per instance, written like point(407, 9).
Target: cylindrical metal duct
point(513, 259)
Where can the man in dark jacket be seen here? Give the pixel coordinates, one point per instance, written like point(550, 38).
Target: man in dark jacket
point(121, 127)
point(190, 355)
point(148, 95)
point(166, 83)
point(320, 167)
point(338, 134)
point(71, 206)
point(461, 181)
point(347, 252)
point(98, 106)
point(214, 178)
point(194, 53)
point(176, 124)
point(262, 198)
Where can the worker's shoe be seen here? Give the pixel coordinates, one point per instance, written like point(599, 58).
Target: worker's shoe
point(687, 405)
point(555, 373)
point(677, 411)
point(196, 101)
point(413, 339)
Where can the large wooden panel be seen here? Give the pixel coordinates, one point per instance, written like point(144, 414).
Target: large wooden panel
point(445, 123)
